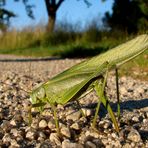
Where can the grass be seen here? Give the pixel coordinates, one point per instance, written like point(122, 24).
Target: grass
point(35, 42)
point(136, 68)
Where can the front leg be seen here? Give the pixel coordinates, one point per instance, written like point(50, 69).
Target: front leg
point(117, 92)
point(102, 98)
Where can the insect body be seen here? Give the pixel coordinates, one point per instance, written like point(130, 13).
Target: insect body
point(73, 83)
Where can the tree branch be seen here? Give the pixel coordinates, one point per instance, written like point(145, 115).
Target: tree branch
point(59, 3)
point(47, 2)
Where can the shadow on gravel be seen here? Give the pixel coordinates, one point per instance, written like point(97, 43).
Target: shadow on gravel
point(144, 134)
point(132, 104)
point(129, 105)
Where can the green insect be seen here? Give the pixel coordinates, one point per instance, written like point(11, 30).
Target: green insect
point(88, 75)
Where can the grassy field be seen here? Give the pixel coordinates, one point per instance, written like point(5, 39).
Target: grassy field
point(35, 42)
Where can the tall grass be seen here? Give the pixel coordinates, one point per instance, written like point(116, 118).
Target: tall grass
point(67, 40)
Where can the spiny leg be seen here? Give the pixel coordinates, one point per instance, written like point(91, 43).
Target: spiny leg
point(55, 118)
point(105, 102)
point(99, 88)
point(117, 92)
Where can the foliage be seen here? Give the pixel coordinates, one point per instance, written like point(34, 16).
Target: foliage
point(128, 16)
point(5, 16)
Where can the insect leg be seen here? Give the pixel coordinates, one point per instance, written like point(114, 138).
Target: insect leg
point(117, 92)
point(100, 90)
point(103, 99)
point(55, 118)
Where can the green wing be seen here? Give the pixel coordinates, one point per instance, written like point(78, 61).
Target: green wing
point(67, 84)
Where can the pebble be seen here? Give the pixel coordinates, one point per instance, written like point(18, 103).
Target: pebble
point(76, 130)
point(105, 124)
point(43, 124)
point(89, 144)
point(65, 132)
point(127, 145)
point(134, 136)
point(75, 126)
point(135, 119)
point(51, 125)
point(87, 112)
point(74, 116)
point(14, 144)
point(12, 122)
point(68, 144)
point(30, 135)
point(15, 132)
point(55, 139)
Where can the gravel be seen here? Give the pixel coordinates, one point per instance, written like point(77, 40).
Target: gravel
point(17, 76)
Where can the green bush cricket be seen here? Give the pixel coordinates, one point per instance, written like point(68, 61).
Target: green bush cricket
point(88, 75)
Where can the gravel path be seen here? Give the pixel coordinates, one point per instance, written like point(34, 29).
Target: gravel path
point(75, 129)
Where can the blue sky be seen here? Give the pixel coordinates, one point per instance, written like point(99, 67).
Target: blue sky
point(71, 10)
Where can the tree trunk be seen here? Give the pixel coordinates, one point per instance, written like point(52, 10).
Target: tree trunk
point(51, 23)
point(52, 7)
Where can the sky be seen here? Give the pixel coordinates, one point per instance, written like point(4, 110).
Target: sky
point(73, 11)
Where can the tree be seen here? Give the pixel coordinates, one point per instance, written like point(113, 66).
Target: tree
point(128, 16)
point(5, 16)
point(51, 5)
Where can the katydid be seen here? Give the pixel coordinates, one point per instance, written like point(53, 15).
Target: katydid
point(88, 75)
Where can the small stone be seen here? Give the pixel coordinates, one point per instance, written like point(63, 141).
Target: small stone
point(105, 124)
point(46, 113)
point(43, 124)
point(140, 90)
point(87, 112)
point(75, 126)
point(6, 138)
point(42, 135)
point(127, 145)
point(65, 132)
point(123, 90)
point(14, 143)
point(105, 141)
point(133, 144)
point(92, 134)
point(45, 144)
point(6, 126)
point(134, 136)
point(51, 125)
point(12, 122)
point(74, 116)
point(67, 144)
point(145, 121)
point(89, 144)
point(114, 135)
point(135, 119)
point(30, 135)
point(14, 132)
point(92, 142)
point(55, 139)
point(34, 123)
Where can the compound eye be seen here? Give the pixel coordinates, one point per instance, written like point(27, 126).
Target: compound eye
point(41, 93)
